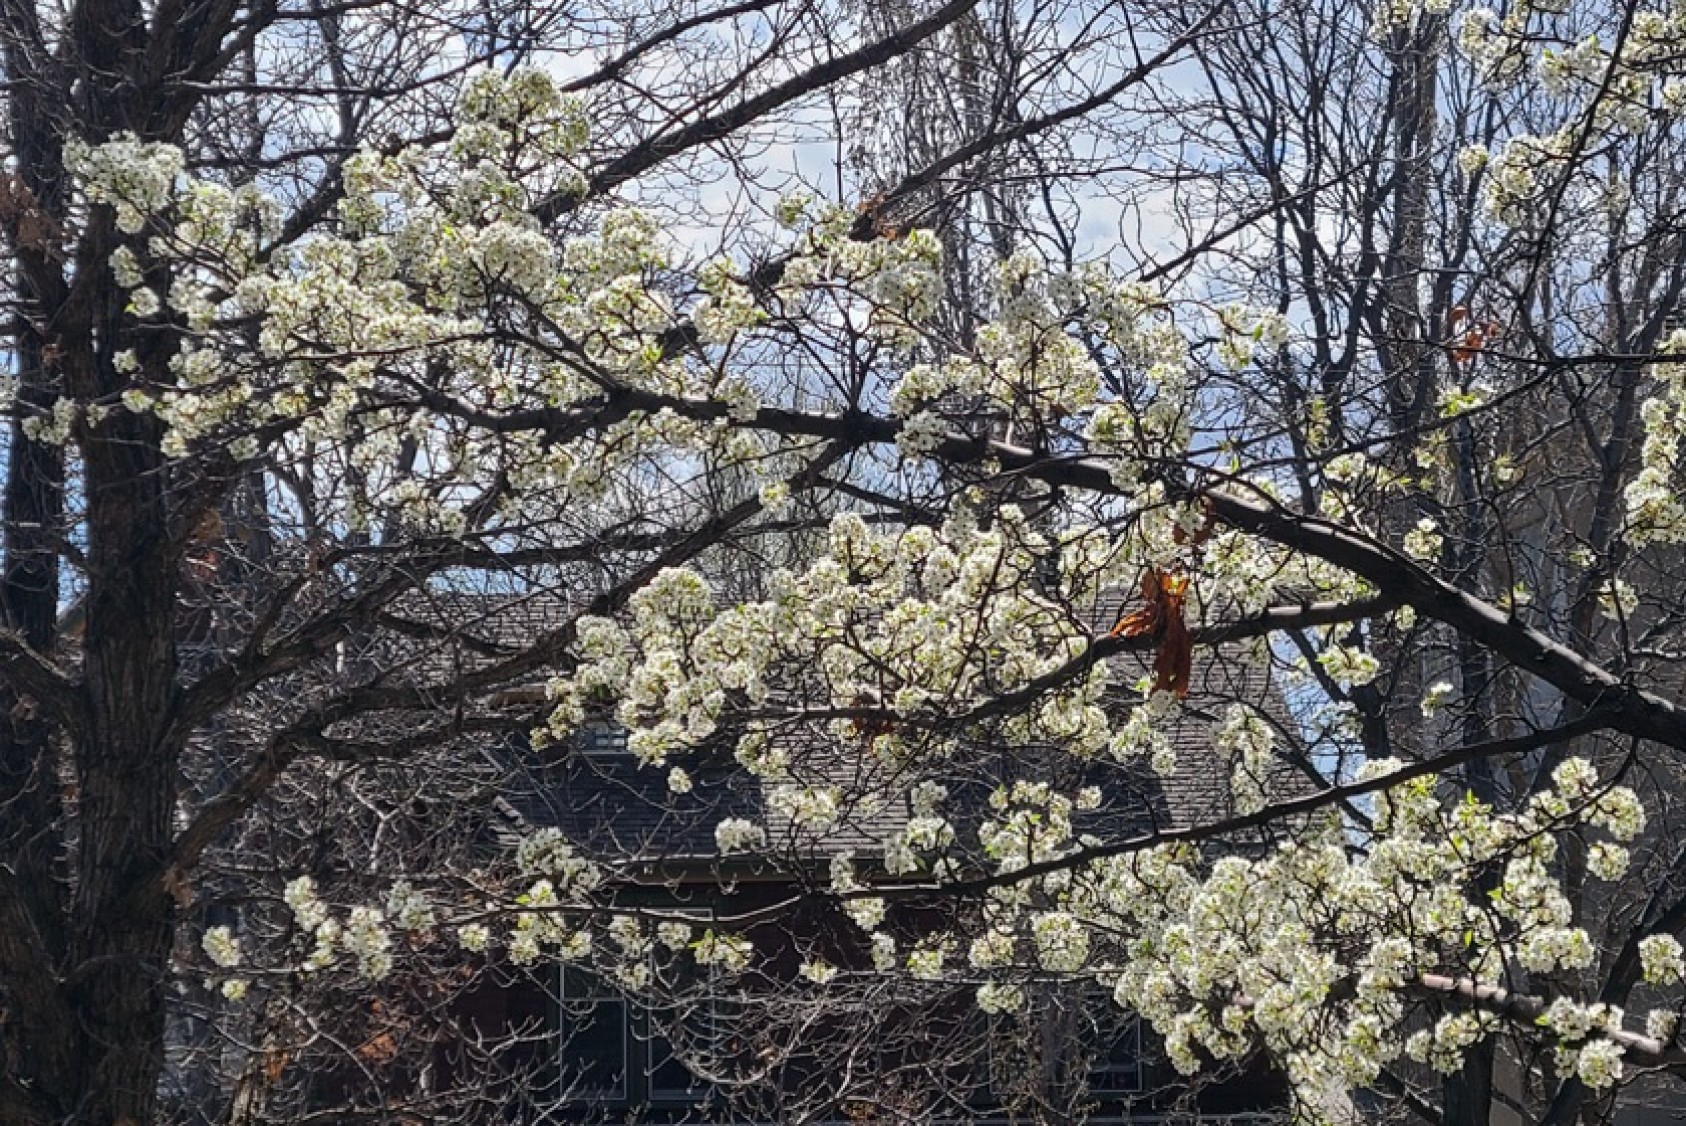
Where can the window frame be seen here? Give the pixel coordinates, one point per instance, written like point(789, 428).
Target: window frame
point(1129, 1025)
point(1092, 1004)
point(700, 1090)
point(588, 992)
point(580, 994)
point(601, 738)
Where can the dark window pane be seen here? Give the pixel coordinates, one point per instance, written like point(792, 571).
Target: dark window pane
point(594, 1049)
point(696, 1031)
point(1116, 1049)
point(593, 1038)
point(600, 737)
point(670, 1079)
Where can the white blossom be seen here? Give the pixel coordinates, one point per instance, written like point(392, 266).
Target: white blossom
point(735, 834)
point(409, 908)
point(367, 940)
point(816, 971)
point(1662, 959)
point(1436, 698)
point(221, 947)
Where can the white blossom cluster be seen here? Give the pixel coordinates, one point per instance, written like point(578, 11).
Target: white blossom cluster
point(1243, 330)
point(1349, 665)
point(1311, 948)
point(1247, 740)
point(1655, 511)
point(366, 938)
point(409, 908)
point(549, 854)
point(433, 251)
point(1662, 959)
point(811, 808)
point(362, 935)
point(136, 178)
point(542, 923)
point(736, 834)
point(221, 947)
point(730, 953)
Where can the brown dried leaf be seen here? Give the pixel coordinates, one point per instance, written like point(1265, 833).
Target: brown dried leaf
point(1164, 618)
point(1145, 621)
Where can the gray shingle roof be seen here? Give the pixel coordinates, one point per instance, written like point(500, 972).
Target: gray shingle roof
point(614, 807)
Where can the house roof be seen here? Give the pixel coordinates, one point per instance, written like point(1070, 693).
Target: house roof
point(616, 808)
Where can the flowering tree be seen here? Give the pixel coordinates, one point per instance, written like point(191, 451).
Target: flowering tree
point(324, 369)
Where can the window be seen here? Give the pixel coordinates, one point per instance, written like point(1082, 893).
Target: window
point(594, 1040)
point(601, 737)
point(611, 1053)
point(1071, 1043)
point(692, 1029)
point(1113, 1039)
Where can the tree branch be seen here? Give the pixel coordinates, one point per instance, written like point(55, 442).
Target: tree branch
point(39, 679)
point(717, 127)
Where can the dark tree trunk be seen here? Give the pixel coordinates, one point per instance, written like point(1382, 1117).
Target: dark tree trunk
point(39, 1027)
point(87, 930)
point(1468, 1092)
point(127, 776)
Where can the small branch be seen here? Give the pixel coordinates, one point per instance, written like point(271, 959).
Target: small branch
point(39, 679)
point(1276, 811)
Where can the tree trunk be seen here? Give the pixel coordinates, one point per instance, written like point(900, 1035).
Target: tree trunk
point(127, 764)
point(1468, 1092)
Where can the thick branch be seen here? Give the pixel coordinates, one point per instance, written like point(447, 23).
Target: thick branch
point(1526, 1009)
point(1259, 625)
point(717, 127)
